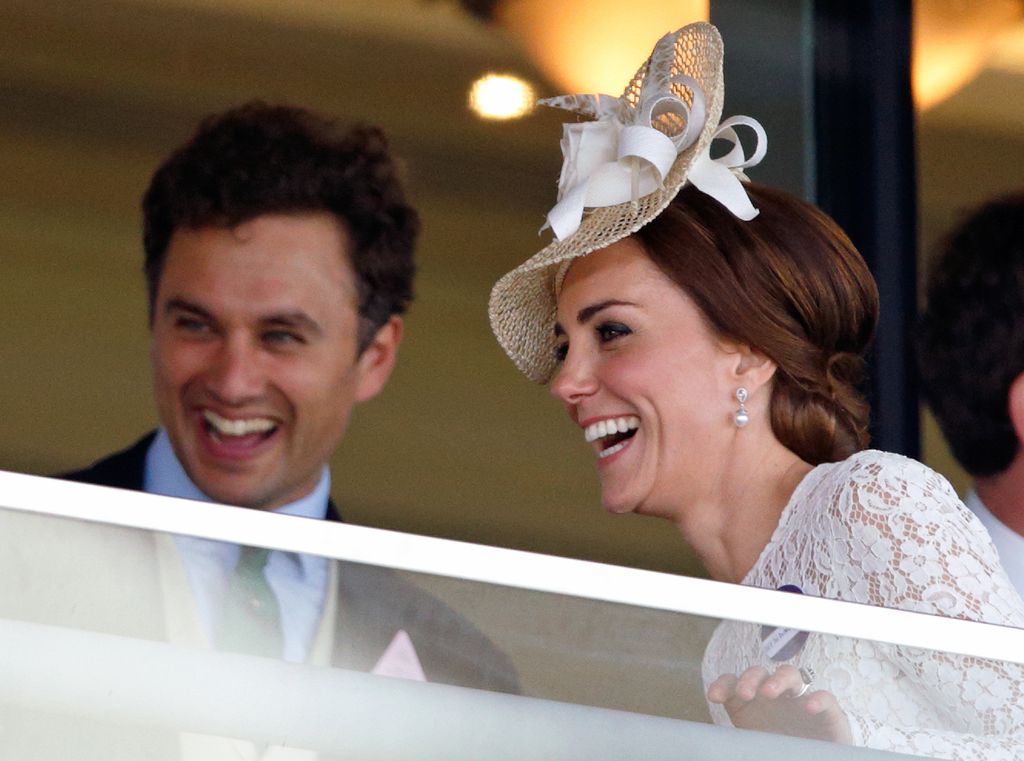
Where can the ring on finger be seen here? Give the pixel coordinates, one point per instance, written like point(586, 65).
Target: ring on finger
point(807, 677)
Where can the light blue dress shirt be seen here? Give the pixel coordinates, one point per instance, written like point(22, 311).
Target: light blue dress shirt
point(299, 581)
point(1009, 544)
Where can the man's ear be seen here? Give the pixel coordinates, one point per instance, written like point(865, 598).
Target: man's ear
point(752, 369)
point(1015, 406)
point(375, 364)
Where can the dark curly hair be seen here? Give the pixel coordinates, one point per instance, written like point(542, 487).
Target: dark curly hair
point(267, 159)
point(971, 334)
point(790, 284)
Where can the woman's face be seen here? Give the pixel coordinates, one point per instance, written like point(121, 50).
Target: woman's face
point(649, 384)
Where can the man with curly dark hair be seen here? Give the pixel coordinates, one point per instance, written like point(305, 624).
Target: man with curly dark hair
point(971, 358)
point(279, 262)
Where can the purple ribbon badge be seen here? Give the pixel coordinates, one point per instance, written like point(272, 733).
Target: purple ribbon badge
point(781, 644)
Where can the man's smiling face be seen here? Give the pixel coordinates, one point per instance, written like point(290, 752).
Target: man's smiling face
point(255, 354)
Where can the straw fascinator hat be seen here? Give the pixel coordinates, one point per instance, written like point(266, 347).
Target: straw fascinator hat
point(619, 172)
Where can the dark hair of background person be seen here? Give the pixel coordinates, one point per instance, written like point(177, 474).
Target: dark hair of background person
point(971, 334)
point(790, 284)
point(262, 159)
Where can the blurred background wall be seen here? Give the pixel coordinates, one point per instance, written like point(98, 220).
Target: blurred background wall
point(94, 94)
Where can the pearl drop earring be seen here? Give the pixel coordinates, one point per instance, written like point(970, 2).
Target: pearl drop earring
point(741, 418)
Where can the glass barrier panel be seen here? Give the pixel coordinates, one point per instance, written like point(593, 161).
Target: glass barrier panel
point(427, 648)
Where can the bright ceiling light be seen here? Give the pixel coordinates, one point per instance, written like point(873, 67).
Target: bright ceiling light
point(501, 96)
point(953, 40)
point(597, 45)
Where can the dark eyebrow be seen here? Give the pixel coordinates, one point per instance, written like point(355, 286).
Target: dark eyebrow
point(587, 313)
point(180, 305)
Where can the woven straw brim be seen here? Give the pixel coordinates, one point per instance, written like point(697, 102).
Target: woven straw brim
point(522, 306)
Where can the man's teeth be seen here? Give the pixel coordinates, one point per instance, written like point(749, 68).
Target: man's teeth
point(603, 428)
point(242, 427)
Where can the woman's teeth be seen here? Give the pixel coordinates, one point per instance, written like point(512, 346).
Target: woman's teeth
point(242, 427)
point(616, 433)
point(612, 449)
point(609, 427)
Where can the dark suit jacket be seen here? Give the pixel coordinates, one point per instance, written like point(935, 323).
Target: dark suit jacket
point(373, 605)
point(103, 578)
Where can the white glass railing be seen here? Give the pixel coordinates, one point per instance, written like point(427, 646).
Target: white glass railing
point(607, 658)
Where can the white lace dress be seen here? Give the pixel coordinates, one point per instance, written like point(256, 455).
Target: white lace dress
point(881, 529)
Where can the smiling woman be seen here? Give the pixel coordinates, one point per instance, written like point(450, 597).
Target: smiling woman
point(792, 285)
point(707, 335)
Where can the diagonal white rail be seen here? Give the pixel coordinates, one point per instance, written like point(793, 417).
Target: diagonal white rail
point(115, 681)
point(512, 568)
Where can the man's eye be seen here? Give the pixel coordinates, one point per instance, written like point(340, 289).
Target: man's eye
point(191, 325)
point(560, 351)
point(609, 331)
point(282, 337)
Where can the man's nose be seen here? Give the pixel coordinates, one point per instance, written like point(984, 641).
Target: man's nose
point(236, 374)
point(574, 380)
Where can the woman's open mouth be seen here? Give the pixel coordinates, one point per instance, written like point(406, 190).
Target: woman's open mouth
point(611, 435)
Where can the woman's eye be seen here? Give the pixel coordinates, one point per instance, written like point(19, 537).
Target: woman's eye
point(560, 351)
point(609, 331)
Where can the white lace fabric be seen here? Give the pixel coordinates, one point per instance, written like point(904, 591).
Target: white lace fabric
point(884, 530)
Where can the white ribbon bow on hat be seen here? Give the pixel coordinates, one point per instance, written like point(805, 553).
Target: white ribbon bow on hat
point(610, 161)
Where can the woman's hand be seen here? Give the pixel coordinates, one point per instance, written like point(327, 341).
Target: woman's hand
point(774, 703)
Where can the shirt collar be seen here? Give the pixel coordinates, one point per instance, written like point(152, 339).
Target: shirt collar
point(976, 506)
point(165, 475)
point(1008, 542)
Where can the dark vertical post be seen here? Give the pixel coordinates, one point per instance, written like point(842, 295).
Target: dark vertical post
point(864, 127)
point(769, 75)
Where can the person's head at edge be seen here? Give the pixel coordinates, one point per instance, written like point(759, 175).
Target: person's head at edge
point(971, 341)
point(693, 306)
point(278, 260)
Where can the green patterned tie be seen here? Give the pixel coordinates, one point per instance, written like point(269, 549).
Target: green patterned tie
point(251, 621)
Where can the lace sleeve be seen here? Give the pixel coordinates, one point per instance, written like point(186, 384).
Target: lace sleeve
point(913, 545)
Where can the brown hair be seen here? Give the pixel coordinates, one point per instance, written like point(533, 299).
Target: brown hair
point(971, 336)
point(790, 284)
point(261, 159)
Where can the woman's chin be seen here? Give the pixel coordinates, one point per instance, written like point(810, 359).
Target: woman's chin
point(617, 504)
point(632, 504)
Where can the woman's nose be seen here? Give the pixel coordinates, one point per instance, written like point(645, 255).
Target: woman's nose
point(574, 380)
